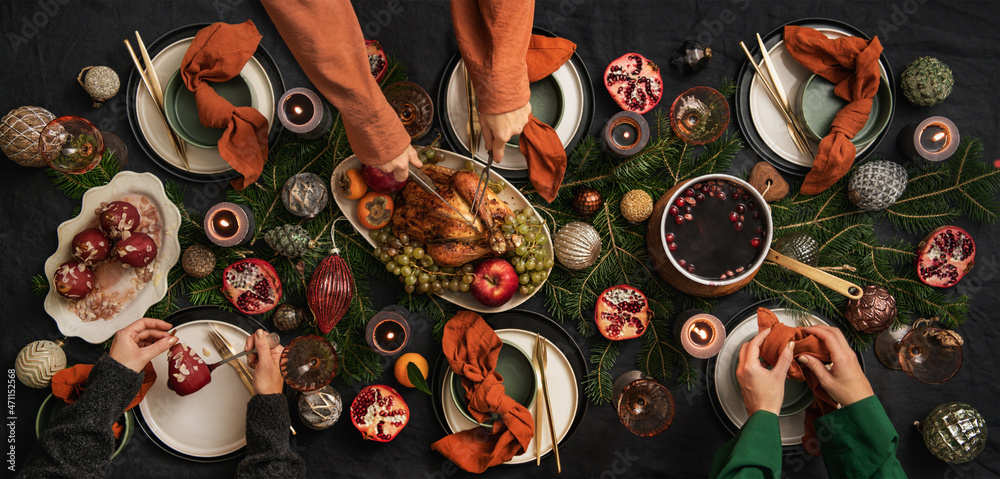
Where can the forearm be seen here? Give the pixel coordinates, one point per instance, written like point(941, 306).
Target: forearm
point(493, 37)
point(859, 441)
point(326, 40)
point(79, 442)
point(754, 452)
point(268, 451)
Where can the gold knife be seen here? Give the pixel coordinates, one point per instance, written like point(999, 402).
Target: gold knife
point(474, 132)
point(538, 402)
point(541, 353)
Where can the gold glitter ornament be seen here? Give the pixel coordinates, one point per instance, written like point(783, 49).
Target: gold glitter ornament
point(577, 245)
point(101, 83)
point(198, 261)
point(636, 206)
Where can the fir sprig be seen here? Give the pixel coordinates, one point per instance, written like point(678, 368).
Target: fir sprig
point(598, 384)
point(74, 186)
point(40, 285)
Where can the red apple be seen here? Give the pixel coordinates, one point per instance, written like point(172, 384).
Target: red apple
point(381, 181)
point(496, 282)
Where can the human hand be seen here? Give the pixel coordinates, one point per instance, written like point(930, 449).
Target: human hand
point(399, 166)
point(762, 389)
point(136, 344)
point(499, 128)
point(267, 374)
point(845, 381)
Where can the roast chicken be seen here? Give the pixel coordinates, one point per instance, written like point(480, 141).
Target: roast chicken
point(447, 237)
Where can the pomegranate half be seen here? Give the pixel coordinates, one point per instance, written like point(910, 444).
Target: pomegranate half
point(945, 256)
point(379, 412)
point(252, 285)
point(634, 82)
point(377, 60)
point(622, 312)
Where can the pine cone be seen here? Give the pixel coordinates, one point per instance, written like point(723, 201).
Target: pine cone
point(288, 240)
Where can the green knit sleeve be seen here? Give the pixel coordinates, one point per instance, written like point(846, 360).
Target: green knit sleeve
point(754, 452)
point(859, 441)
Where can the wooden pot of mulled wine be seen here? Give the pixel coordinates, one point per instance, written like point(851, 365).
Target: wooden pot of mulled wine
point(708, 236)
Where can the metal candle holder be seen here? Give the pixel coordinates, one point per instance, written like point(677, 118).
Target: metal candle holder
point(304, 113)
point(625, 134)
point(219, 225)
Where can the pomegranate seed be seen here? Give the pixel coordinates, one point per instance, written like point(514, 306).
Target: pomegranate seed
point(687, 209)
point(736, 196)
point(760, 230)
point(690, 268)
point(689, 192)
point(755, 242)
point(740, 208)
point(673, 210)
point(738, 226)
point(682, 262)
point(705, 189)
point(699, 197)
point(672, 246)
point(721, 195)
point(751, 205)
point(734, 217)
point(670, 238)
point(680, 202)
point(679, 219)
point(756, 215)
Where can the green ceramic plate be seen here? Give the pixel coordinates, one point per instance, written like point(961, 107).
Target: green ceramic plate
point(518, 380)
point(182, 112)
point(52, 405)
point(546, 104)
point(818, 105)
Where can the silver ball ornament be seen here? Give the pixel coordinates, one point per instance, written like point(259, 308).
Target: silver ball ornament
point(954, 432)
point(577, 245)
point(38, 362)
point(320, 409)
point(305, 195)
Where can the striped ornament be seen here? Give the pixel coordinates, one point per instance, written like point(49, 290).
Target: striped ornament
point(38, 362)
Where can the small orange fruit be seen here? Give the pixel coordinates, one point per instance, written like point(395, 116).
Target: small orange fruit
point(353, 184)
point(400, 369)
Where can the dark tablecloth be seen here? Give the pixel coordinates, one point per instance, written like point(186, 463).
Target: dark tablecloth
point(46, 42)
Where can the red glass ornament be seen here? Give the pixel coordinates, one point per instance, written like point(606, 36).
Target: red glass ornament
point(331, 289)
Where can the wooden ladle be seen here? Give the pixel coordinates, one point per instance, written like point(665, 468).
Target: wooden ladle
point(841, 286)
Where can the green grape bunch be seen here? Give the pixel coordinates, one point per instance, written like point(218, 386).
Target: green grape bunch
point(530, 259)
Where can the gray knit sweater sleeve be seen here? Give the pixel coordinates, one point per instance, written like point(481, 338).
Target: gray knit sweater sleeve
point(79, 441)
point(268, 451)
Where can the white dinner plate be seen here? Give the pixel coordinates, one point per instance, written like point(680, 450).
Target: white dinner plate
point(205, 161)
point(727, 390)
point(571, 86)
point(767, 118)
point(207, 423)
point(514, 199)
point(168, 251)
point(562, 387)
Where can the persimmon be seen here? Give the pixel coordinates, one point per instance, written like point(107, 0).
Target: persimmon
point(375, 210)
point(353, 184)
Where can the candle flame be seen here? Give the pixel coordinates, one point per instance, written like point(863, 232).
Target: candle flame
point(700, 332)
point(390, 335)
point(939, 136)
point(626, 134)
point(223, 223)
point(298, 110)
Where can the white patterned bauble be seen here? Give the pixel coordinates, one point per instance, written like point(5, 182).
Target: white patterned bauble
point(577, 245)
point(38, 362)
point(876, 185)
point(320, 409)
point(19, 132)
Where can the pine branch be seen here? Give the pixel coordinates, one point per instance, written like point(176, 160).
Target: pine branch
point(40, 285)
point(74, 186)
point(598, 383)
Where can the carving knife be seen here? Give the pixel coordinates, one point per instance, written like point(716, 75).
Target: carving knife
point(427, 184)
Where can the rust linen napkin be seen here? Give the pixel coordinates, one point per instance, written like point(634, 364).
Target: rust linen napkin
point(70, 383)
point(472, 348)
point(852, 65)
point(217, 54)
point(805, 343)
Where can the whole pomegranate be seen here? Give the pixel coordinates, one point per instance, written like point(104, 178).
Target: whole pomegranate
point(377, 59)
point(944, 256)
point(379, 412)
point(634, 82)
point(252, 285)
point(622, 312)
point(381, 181)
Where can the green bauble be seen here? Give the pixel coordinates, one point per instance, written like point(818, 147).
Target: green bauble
point(927, 81)
point(954, 432)
point(288, 240)
point(799, 246)
point(876, 185)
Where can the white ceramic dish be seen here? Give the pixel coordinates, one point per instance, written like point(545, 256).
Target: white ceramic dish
point(515, 200)
point(212, 421)
point(767, 119)
point(568, 79)
point(792, 427)
point(155, 130)
point(562, 387)
point(124, 183)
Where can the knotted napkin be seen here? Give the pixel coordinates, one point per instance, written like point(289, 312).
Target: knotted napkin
point(852, 65)
point(805, 343)
point(472, 348)
point(70, 383)
point(539, 143)
point(218, 53)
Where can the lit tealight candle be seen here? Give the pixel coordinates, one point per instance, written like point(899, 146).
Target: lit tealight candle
point(625, 134)
point(302, 112)
point(701, 334)
point(228, 224)
point(388, 331)
point(928, 142)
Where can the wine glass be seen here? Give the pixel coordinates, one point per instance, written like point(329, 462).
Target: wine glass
point(413, 105)
point(645, 407)
point(71, 145)
point(308, 363)
point(930, 355)
point(887, 346)
point(699, 115)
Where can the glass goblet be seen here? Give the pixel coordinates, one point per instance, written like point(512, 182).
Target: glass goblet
point(887, 346)
point(645, 407)
point(308, 363)
point(71, 145)
point(930, 355)
point(413, 105)
point(699, 115)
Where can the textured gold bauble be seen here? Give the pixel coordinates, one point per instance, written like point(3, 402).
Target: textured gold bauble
point(637, 205)
point(577, 245)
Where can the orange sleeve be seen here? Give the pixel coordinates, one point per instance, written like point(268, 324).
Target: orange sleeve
point(493, 37)
point(326, 40)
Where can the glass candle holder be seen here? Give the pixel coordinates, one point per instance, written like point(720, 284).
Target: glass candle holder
point(308, 363)
point(701, 334)
point(229, 224)
point(625, 134)
point(645, 407)
point(301, 111)
point(930, 355)
point(71, 145)
point(928, 142)
point(699, 115)
point(413, 105)
point(388, 331)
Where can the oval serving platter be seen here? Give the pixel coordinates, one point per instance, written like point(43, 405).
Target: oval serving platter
point(124, 183)
point(515, 200)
